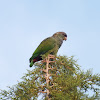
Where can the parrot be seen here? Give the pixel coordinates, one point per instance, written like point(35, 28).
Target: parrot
point(49, 45)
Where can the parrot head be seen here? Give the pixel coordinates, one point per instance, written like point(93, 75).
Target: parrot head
point(61, 35)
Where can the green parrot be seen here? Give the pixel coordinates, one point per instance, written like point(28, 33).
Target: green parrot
point(49, 45)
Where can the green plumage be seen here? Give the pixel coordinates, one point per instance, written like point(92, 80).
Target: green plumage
point(47, 46)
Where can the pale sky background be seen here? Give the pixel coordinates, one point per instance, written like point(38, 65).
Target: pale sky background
point(25, 23)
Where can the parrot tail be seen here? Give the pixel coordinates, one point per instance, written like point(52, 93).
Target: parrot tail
point(32, 61)
point(31, 64)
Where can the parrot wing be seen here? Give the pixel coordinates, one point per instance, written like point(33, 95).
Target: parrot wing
point(44, 47)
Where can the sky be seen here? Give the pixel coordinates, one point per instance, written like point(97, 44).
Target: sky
point(25, 23)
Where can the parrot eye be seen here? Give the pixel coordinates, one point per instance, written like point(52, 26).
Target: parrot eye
point(65, 35)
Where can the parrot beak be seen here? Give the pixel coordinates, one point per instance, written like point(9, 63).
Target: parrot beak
point(65, 38)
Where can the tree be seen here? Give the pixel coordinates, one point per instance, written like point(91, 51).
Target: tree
point(67, 82)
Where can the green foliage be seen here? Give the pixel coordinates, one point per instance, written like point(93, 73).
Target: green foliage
point(67, 82)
